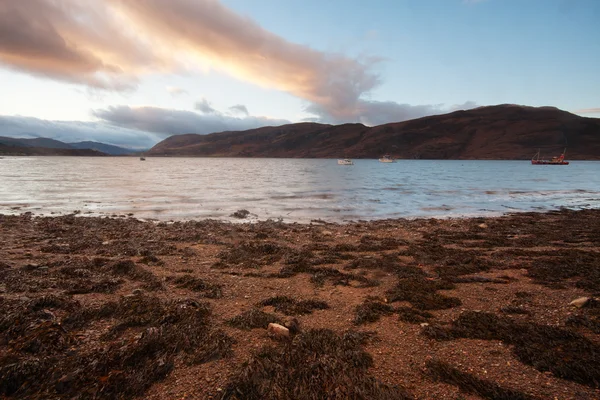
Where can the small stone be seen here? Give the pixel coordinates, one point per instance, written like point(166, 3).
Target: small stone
point(482, 226)
point(278, 331)
point(580, 302)
point(137, 292)
point(424, 324)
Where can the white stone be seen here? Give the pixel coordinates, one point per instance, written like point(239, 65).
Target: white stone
point(278, 331)
point(580, 302)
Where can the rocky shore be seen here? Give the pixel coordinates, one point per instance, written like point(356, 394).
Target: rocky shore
point(394, 309)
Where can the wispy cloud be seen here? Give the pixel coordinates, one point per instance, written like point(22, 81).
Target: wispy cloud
point(76, 131)
point(111, 44)
point(167, 122)
point(134, 127)
point(176, 91)
point(204, 107)
point(239, 109)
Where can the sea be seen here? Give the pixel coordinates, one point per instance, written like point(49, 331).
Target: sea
point(290, 190)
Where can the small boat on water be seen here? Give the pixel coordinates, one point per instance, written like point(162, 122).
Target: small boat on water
point(560, 160)
point(387, 159)
point(345, 161)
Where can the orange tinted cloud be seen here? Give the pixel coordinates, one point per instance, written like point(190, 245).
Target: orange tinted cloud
point(111, 44)
point(74, 41)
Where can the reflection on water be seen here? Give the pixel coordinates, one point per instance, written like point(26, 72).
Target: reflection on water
point(291, 189)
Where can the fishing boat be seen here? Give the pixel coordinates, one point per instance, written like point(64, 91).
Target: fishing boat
point(345, 161)
point(386, 159)
point(560, 160)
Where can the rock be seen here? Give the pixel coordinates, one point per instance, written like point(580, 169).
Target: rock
point(580, 302)
point(278, 331)
point(424, 324)
point(137, 292)
point(293, 325)
point(483, 226)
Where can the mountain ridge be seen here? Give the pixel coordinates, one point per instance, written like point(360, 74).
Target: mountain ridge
point(505, 131)
point(18, 144)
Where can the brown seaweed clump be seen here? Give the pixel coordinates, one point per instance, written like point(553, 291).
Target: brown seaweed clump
point(291, 306)
point(317, 364)
point(46, 358)
point(370, 311)
point(253, 318)
point(468, 383)
point(566, 354)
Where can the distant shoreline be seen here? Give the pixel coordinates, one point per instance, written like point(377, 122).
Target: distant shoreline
point(48, 154)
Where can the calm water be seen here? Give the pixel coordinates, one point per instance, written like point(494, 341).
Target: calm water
point(291, 189)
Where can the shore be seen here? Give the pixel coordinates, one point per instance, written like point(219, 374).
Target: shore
point(417, 309)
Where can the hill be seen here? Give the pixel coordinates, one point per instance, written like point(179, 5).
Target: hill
point(6, 150)
point(36, 142)
point(103, 147)
point(46, 146)
point(494, 132)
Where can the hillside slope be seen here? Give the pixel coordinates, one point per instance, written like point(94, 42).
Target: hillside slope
point(45, 151)
point(494, 132)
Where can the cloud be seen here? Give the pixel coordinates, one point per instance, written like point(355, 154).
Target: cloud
point(373, 113)
point(133, 127)
point(204, 107)
point(75, 131)
point(111, 44)
point(595, 110)
point(176, 91)
point(239, 109)
point(167, 122)
point(72, 41)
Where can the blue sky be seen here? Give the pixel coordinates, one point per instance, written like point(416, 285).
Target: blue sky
point(133, 73)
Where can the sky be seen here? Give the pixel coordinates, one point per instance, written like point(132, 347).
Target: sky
point(132, 73)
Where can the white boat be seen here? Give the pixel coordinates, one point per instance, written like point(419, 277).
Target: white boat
point(345, 161)
point(387, 159)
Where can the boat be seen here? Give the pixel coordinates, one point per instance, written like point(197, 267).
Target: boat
point(387, 159)
point(560, 160)
point(345, 161)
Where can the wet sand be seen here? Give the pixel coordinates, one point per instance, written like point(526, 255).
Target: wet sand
point(449, 309)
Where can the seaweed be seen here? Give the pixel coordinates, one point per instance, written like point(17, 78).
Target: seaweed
point(370, 311)
point(566, 354)
point(422, 293)
point(468, 383)
point(253, 318)
point(210, 290)
point(316, 364)
point(290, 306)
